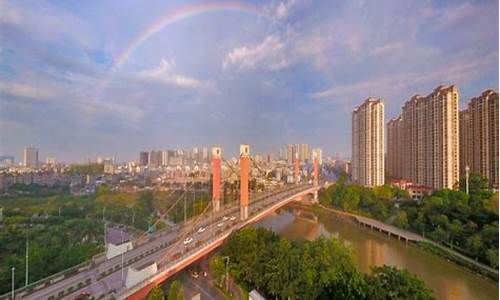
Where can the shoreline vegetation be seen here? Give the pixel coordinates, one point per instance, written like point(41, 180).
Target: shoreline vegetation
point(454, 224)
point(280, 268)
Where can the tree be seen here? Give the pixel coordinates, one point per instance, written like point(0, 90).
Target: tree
point(401, 220)
point(218, 269)
point(156, 294)
point(478, 184)
point(390, 283)
point(175, 292)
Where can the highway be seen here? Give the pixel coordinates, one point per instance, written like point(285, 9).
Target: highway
point(104, 279)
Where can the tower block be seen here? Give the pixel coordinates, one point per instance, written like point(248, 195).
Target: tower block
point(244, 173)
point(297, 168)
point(216, 177)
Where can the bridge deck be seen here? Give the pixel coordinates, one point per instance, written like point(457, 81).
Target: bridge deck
point(102, 278)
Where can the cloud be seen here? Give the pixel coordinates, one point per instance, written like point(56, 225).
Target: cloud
point(269, 54)
point(383, 86)
point(281, 10)
point(165, 74)
point(26, 91)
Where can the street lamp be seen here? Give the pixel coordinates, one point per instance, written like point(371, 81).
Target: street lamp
point(227, 273)
point(13, 285)
point(467, 169)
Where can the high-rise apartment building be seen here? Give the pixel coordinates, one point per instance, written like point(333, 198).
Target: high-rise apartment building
point(304, 153)
point(143, 158)
point(155, 158)
point(319, 155)
point(164, 158)
point(426, 138)
point(479, 137)
point(394, 169)
point(205, 155)
point(30, 157)
point(368, 143)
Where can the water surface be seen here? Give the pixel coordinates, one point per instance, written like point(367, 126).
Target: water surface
point(371, 248)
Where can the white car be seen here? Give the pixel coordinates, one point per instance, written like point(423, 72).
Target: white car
point(201, 229)
point(232, 218)
point(224, 218)
point(188, 240)
point(220, 224)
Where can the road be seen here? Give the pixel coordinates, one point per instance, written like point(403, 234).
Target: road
point(104, 278)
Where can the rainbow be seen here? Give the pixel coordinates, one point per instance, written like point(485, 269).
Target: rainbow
point(178, 15)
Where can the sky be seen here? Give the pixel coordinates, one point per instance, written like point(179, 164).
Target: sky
point(81, 79)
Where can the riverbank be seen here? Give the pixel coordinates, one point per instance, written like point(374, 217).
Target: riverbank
point(422, 243)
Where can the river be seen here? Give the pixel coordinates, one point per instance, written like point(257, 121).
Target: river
point(447, 280)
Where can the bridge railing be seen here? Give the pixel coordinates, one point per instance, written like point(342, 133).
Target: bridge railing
point(192, 251)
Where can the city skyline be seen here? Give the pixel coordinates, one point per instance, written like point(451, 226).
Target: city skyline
point(91, 79)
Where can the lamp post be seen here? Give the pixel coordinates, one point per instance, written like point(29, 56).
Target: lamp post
point(13, 284)
point(226, 258)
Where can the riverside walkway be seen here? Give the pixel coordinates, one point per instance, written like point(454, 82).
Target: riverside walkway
point(409, 236)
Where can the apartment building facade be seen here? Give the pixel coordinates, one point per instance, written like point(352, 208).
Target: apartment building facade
point(427, 140)
point(479, 137)
point(368, 143)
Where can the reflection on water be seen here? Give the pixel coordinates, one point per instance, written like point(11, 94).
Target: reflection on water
point(371, 248)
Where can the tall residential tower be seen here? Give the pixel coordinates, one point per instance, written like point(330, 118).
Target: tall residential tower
point(423, 143)
point(479, 137)
point(368, 143)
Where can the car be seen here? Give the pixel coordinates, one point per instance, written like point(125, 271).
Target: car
point(201, 229)
point(188, 240)
point(224, 218)
point(220, 224)
point(232, 218)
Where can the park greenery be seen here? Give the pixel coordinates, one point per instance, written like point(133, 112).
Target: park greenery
point(64, 230)
point(468, 223)
point(322, 269)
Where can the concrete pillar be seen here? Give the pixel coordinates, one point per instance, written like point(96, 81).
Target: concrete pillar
point(315, 168)
point(297, 168)
point(244, 173)
point(315, 174)
point(216, 177)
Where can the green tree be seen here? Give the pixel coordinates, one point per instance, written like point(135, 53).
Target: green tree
point(401, 219)
point(478, 184)
point(218, 269)
point(156, 294)
point(175, 292)
point(385, 283)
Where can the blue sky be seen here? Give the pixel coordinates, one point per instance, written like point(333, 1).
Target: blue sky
point(288, 72)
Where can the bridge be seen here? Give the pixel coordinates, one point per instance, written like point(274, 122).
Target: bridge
point(131, 270)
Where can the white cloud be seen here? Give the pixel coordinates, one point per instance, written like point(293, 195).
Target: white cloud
point(165, 74)
point(383, 86)
point(281, 10)
point(270, 54)
point(25, 91)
